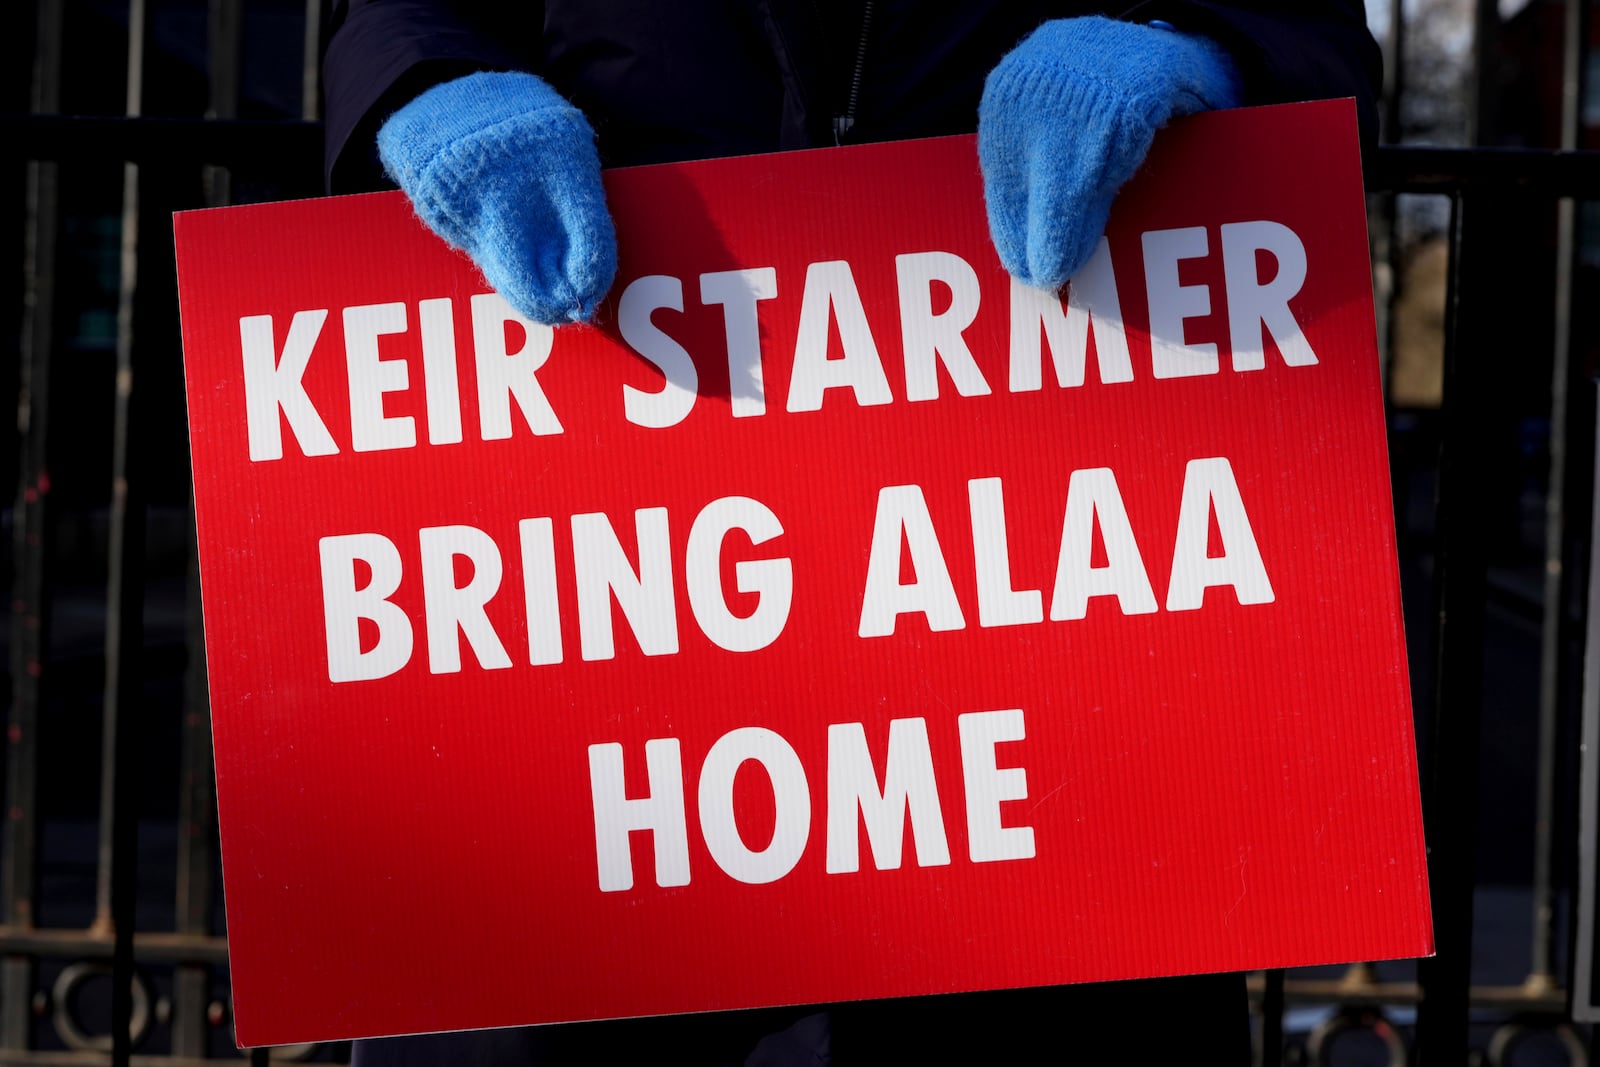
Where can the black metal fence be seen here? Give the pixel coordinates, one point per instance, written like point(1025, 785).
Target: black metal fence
point(111, 934)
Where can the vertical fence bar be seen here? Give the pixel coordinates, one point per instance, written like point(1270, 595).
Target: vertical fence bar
point(1386, 235)
point(1393, 119)
point(1272, 1019)
point(1485, 73)
point(29, 540)
point(1584, 970)
point(311, 64)
point(1394, 74)
point(1541, 976)
point(119, 818)
point(197, 804)
point(117, 569)
point(1450, 798)
point(197, 827)
point(225, 24)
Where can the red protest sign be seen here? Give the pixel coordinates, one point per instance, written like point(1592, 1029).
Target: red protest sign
point(835, 620)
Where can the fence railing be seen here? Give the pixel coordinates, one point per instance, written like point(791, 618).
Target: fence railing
point(161, 996)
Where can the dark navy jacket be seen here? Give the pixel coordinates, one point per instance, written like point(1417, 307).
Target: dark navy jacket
point(690, 79)
point(666, 80)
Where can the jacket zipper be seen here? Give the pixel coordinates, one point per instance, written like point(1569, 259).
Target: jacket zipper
point(842, 123)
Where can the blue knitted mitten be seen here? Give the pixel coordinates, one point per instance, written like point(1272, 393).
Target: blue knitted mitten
point(1067, 118)
point(503, 168)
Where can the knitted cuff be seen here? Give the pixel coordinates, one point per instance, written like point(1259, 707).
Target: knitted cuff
point(1156, 73)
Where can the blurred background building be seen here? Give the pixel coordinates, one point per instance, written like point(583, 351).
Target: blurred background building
point(176, 104)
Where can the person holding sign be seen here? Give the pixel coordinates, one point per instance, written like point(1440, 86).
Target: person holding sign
point(487, 126)
point(496, 119)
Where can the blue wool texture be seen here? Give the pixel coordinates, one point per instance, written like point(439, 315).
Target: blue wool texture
point(503, 168)
point(1066, 119)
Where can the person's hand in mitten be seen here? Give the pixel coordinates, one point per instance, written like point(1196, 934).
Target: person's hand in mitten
point(503, 168)
point(1066, 119)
